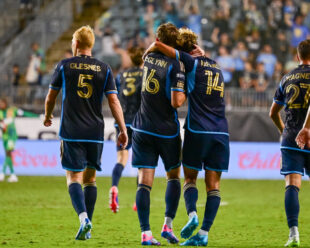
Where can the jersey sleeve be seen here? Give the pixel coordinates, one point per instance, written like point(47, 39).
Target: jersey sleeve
point(56, 81)
point(109, 85)
point(187, 59)
point(279, 95)
point(178, 77)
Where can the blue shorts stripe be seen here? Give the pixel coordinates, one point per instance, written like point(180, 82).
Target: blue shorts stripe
point(174, 167)
point(154, 134)
point(190, 167)
point(218, 170)
point(69, 169)
point(81, 140)
point(144, 166)
point(294, 149)
point(291, 172)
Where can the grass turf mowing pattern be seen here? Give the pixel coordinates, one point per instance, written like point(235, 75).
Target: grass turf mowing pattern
point(37, 212)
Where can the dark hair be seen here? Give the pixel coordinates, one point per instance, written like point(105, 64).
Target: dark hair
point(303, 50)
point(136, 54)
point(168, 33)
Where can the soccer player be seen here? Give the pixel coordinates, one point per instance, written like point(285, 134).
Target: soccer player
point(293, 93)
point(156, 133)
point(206, 142)
point(129, 83)
point(9, 135)
point(84, 80)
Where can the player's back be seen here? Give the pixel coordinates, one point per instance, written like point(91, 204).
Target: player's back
point(156, 116)
point(129, 83)
point(205, 87)
point(294, 94)
point(83, 80)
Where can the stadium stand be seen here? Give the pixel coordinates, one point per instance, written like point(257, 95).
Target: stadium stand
point(254, 44)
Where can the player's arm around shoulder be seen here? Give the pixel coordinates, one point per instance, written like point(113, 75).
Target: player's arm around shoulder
point(178, 95)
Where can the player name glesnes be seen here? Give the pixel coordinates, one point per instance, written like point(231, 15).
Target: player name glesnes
point(82, 66)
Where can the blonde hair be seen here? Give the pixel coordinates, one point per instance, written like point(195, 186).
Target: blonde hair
point(85, 37)
point(188, 39)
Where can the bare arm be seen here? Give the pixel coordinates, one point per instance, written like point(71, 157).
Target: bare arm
point(118, 115)
point(50, 102)
point(274, 114)
point(303, 137)
point(177, 98)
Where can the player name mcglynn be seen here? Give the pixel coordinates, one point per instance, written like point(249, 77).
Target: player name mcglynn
point(82, 66)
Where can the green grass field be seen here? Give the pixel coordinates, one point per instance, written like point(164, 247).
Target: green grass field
point(37, 212)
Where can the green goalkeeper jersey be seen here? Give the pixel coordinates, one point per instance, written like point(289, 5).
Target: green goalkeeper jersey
point(7, 118)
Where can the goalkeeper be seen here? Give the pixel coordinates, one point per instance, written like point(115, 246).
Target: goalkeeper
point(9, 135)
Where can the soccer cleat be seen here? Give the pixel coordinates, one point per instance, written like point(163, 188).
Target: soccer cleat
point(197, 240)
point(134, 207)
point(84, 229)
point(189, 228)
point(13, 179)
point(293, 242)
point(168, 234)
point(2, 176)
point(88, 235)
point(148, 240)
point(114, 199)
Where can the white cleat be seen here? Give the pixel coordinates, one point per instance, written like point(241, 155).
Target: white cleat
point(293, 241)
point(13, 179)
point(2, 176)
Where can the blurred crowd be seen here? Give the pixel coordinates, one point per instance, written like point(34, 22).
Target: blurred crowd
point(253, 41)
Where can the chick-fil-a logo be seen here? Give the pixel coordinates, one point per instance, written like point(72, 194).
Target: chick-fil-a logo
point(260, 161)
point(22, 158)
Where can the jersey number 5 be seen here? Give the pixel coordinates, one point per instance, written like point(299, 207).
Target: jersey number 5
point(83, 84)
point(147, 80)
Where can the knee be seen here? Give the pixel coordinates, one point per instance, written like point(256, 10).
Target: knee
point(190, 180)
point(213, 185)
point(173, 174)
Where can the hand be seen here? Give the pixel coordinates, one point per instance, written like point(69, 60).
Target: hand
point(48, 121)
point(122, 140)
point(150, 49)
point(2, 126)
point(303, 138)
point(197, 52)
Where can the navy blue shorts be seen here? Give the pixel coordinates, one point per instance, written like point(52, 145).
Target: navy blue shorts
point(77, 156)
point(129, 133)
point(295, 162)
point(146, 150)
point(208, 151)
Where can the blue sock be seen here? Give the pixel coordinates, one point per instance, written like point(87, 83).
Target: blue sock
point(117, 173)
point(212, 205)
point(172, 197)
point(190, 197)
point(143, 206)
point(292, 205)
point(77, 197)
point(90, 194)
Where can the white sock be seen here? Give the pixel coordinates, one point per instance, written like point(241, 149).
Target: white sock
point(192, 214)
point(82, 217)
point(148, 233)
point(202, 232)
point(168, 222)
point(294, 231)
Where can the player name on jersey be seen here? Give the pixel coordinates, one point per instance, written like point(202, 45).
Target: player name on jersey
point(82, 66)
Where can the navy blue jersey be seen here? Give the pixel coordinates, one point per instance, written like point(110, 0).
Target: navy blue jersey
point(83, 80)
point(294, 93)
point(129, 83)
point(205, 89)
point(156, 116)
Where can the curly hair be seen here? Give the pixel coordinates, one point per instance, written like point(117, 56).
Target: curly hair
point(188, 40)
